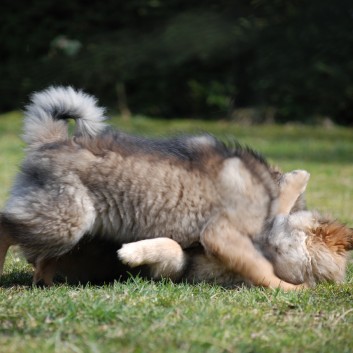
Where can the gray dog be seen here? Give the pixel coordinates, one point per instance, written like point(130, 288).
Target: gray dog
point(102, 182)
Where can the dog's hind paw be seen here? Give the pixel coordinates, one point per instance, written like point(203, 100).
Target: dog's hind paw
point(131, 254)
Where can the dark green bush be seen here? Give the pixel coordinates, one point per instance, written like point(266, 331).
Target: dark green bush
point(182, 58)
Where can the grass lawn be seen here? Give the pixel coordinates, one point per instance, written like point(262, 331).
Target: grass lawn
point(143, 316)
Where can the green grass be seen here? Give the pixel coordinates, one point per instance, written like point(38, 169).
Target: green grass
point(143, 316)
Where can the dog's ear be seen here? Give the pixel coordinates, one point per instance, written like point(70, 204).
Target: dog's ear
point(337, 237)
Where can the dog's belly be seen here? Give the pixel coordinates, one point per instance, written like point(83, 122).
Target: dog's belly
point(142, 201)
point(127, 221)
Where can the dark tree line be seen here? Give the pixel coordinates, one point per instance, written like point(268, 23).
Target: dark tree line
point(184, 58)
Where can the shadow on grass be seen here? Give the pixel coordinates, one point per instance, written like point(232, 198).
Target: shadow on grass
point(16, 279)
point(23, 280)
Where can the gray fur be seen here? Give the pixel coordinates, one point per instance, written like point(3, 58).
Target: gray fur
point(106, 183)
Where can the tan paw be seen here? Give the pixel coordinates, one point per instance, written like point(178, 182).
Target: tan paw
point(131, 254)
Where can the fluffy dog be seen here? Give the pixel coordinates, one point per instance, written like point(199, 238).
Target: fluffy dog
point(293, 242)
point(190, 189)
point(94, 259)
point(303, 246)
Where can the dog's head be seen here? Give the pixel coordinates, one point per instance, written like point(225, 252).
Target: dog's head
point(306, 247)
point(327, 243)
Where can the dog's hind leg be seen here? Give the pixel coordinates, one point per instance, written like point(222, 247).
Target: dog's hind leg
point(238, 254)
point(44, 271)
point(5, 242)
point(164, 257)
point(47, 222)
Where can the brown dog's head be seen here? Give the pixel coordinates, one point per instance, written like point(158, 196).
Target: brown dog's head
point(328, 242)
point(306, 247)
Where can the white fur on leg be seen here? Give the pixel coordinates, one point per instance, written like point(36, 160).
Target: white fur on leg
point(164, 256)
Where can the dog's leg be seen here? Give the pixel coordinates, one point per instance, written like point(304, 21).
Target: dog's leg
point(164, 257)
point(292, 185)
point(238, 254)
point(44, 271)
point(5, 242)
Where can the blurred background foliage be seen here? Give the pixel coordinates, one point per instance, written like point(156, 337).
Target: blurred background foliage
point(251, 61)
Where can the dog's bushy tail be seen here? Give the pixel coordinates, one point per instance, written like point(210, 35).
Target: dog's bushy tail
point(46, 115)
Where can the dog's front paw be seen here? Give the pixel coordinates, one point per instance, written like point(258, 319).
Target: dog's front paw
point(131, 254)
point(295, 181)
